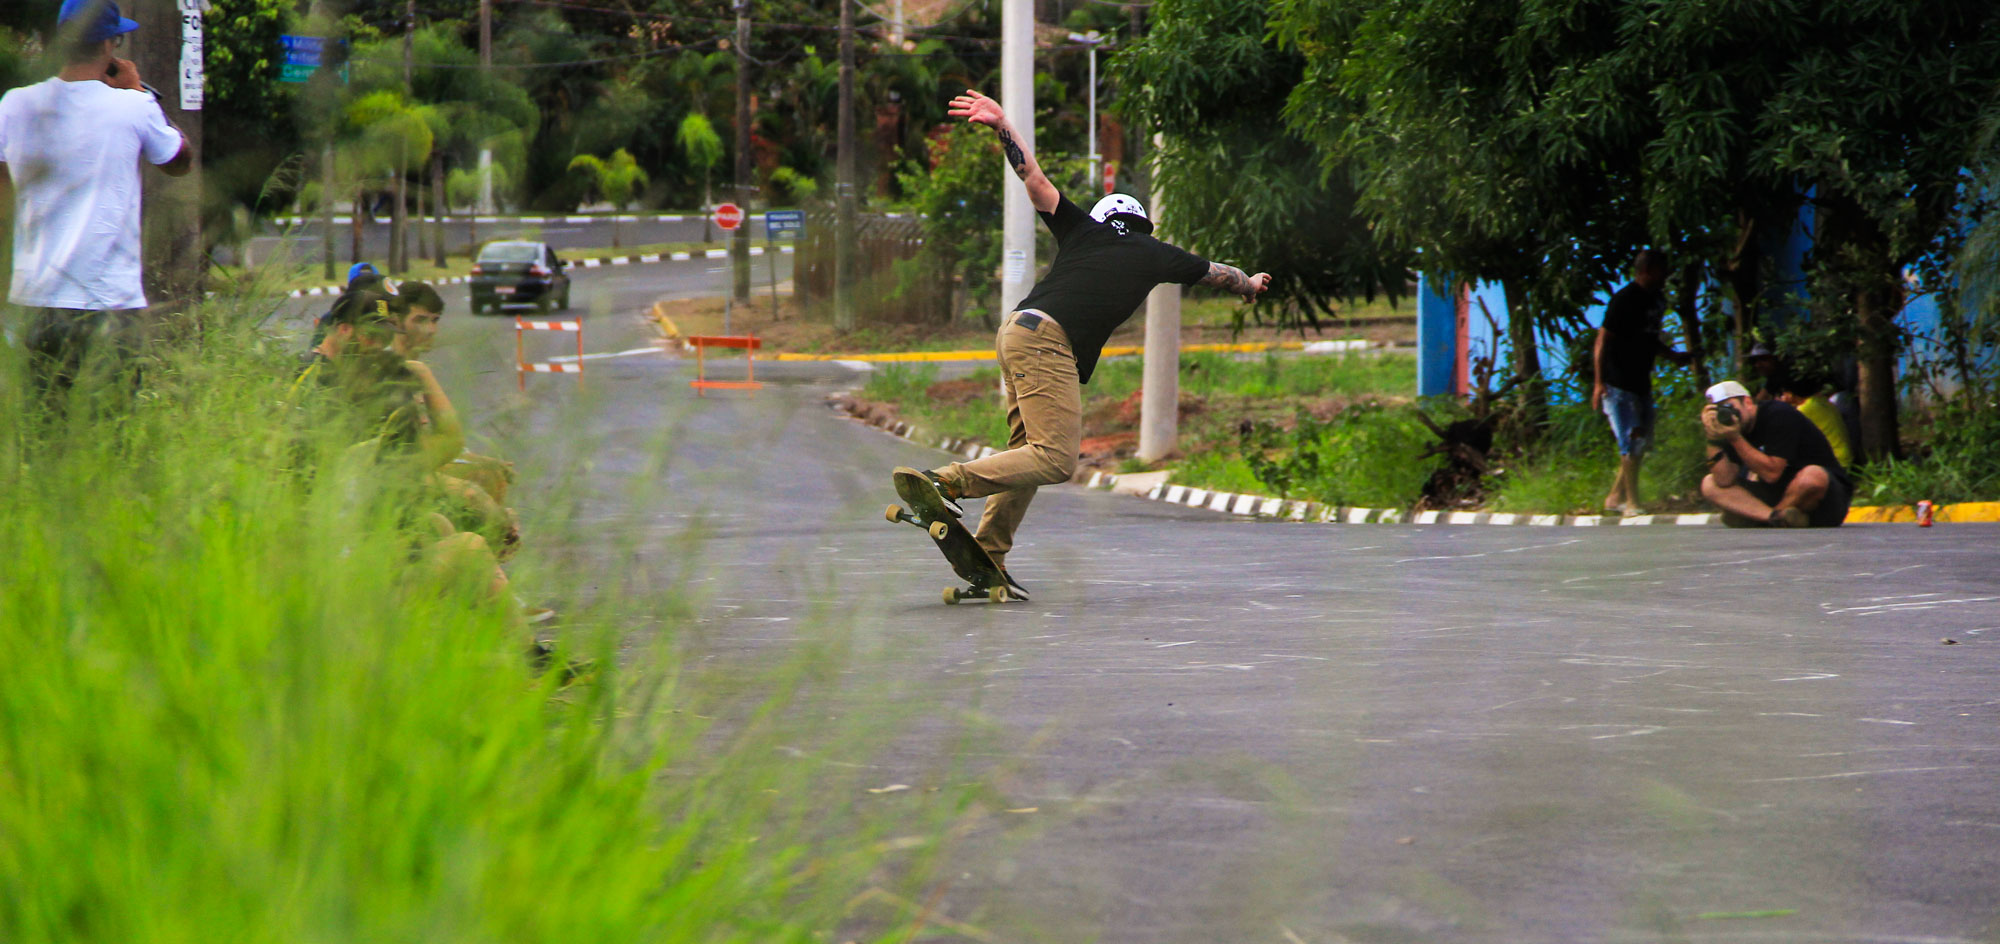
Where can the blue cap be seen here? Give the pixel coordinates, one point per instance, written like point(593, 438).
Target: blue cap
point(360, 269)
point(100, 16)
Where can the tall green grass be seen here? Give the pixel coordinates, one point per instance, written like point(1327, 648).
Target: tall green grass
point(236, 705)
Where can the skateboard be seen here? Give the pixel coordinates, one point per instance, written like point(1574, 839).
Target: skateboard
point(971, 562)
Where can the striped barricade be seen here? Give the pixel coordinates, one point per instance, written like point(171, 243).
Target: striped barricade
point(701, 344)
point(523, 367)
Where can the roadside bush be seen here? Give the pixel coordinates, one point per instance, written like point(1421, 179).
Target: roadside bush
point(1368, 455)
point(1959, 460)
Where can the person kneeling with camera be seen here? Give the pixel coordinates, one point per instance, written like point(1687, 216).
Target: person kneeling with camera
point(1769, 465)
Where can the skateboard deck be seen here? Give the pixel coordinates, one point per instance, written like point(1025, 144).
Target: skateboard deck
point(970, 561)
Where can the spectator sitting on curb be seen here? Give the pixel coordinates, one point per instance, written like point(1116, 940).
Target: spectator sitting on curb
point(364, 328)
point(70, 148)
point(477, 484)
point(361, 277)
point(1768, 464)
point(1809, 398)
point(1622, 365)
point(402, 405)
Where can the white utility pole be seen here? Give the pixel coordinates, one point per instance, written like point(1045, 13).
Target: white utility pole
point(1017, 98)
point(1160, 381)
point(1093, 39)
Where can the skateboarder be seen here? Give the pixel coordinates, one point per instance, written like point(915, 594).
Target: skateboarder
point(1106, 262)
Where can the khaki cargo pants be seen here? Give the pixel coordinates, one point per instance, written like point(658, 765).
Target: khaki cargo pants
point(1044, 428)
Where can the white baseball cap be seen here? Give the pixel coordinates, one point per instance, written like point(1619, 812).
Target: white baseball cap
point(1726, 390)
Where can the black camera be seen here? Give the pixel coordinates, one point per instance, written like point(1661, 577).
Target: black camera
point(1726, 414)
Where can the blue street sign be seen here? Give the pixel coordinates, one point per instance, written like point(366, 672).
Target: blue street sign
point(304, 50)
point(305, 55)
point(785, 223)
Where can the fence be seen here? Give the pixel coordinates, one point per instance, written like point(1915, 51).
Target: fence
point(886, 248)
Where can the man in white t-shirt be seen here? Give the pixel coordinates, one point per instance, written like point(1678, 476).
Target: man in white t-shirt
point(69, 151)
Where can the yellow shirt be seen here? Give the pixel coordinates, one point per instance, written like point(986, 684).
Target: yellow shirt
point(1825, 416)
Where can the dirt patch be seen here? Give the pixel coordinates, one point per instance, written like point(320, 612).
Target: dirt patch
point(961, 391)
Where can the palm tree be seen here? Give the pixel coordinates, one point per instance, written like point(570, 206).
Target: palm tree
point(703, 148)
point(617, 180)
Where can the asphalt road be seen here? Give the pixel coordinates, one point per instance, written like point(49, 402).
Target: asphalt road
point(1224, 730)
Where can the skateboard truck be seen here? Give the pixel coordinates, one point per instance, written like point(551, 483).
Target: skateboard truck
point(985, 582)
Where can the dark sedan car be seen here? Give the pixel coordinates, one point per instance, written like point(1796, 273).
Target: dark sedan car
point(518, 272)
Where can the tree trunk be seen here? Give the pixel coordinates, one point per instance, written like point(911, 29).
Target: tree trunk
point(175, 253)
point(1875, 310)
point(1525, 359)
point(1689, 310)
point(1849, 238)
point(438, 208)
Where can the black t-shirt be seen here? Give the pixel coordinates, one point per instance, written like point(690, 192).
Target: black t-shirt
point(1632, 338)
point(1101, 274)
point(1782, 431)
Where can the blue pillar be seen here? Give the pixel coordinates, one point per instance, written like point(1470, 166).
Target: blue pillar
point(1437, 336)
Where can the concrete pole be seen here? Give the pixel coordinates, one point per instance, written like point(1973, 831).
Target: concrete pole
point(1094, 175)
point(1017, 98)
point(486, 34)
point(844, 256)
point(739, 244)
point(1159, 401)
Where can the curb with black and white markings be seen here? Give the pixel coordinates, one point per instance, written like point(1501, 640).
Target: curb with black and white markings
point(1260, 506)
point(593, 262)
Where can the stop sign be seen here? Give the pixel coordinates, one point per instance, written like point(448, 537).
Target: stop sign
point(729, 216)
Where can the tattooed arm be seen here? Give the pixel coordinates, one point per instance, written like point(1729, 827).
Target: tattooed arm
point(979, 109)
point(1231, 279)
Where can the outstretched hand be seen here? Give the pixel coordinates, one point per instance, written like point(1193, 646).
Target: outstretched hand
point(1259, 283)
point(977, 109)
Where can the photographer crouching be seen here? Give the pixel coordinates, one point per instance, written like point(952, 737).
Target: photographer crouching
point(1769, 465)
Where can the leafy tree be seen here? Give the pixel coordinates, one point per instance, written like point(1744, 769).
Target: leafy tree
point(1539, 144)
point(1239, 186)
point(617, 180)
point(959, 199)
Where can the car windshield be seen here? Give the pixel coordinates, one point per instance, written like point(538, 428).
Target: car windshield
point(511, 252)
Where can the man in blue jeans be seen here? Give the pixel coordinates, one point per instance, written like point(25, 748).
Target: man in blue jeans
point(1623, 363)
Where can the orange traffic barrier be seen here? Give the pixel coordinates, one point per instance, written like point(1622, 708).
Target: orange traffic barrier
point(702, 343)
point(523, 367)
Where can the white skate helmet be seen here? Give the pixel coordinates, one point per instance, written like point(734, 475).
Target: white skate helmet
point(1121, 204)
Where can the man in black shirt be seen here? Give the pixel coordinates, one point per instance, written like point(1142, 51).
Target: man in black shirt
point(1771, 465)
point(1106, 262)
point(1623, 364)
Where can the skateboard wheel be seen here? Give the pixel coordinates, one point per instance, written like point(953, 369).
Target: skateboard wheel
point(998, 594)
point(951, 596)
point(938, 530)
point(894, 514)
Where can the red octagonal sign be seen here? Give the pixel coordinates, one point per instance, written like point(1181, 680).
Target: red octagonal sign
point(729, 216)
